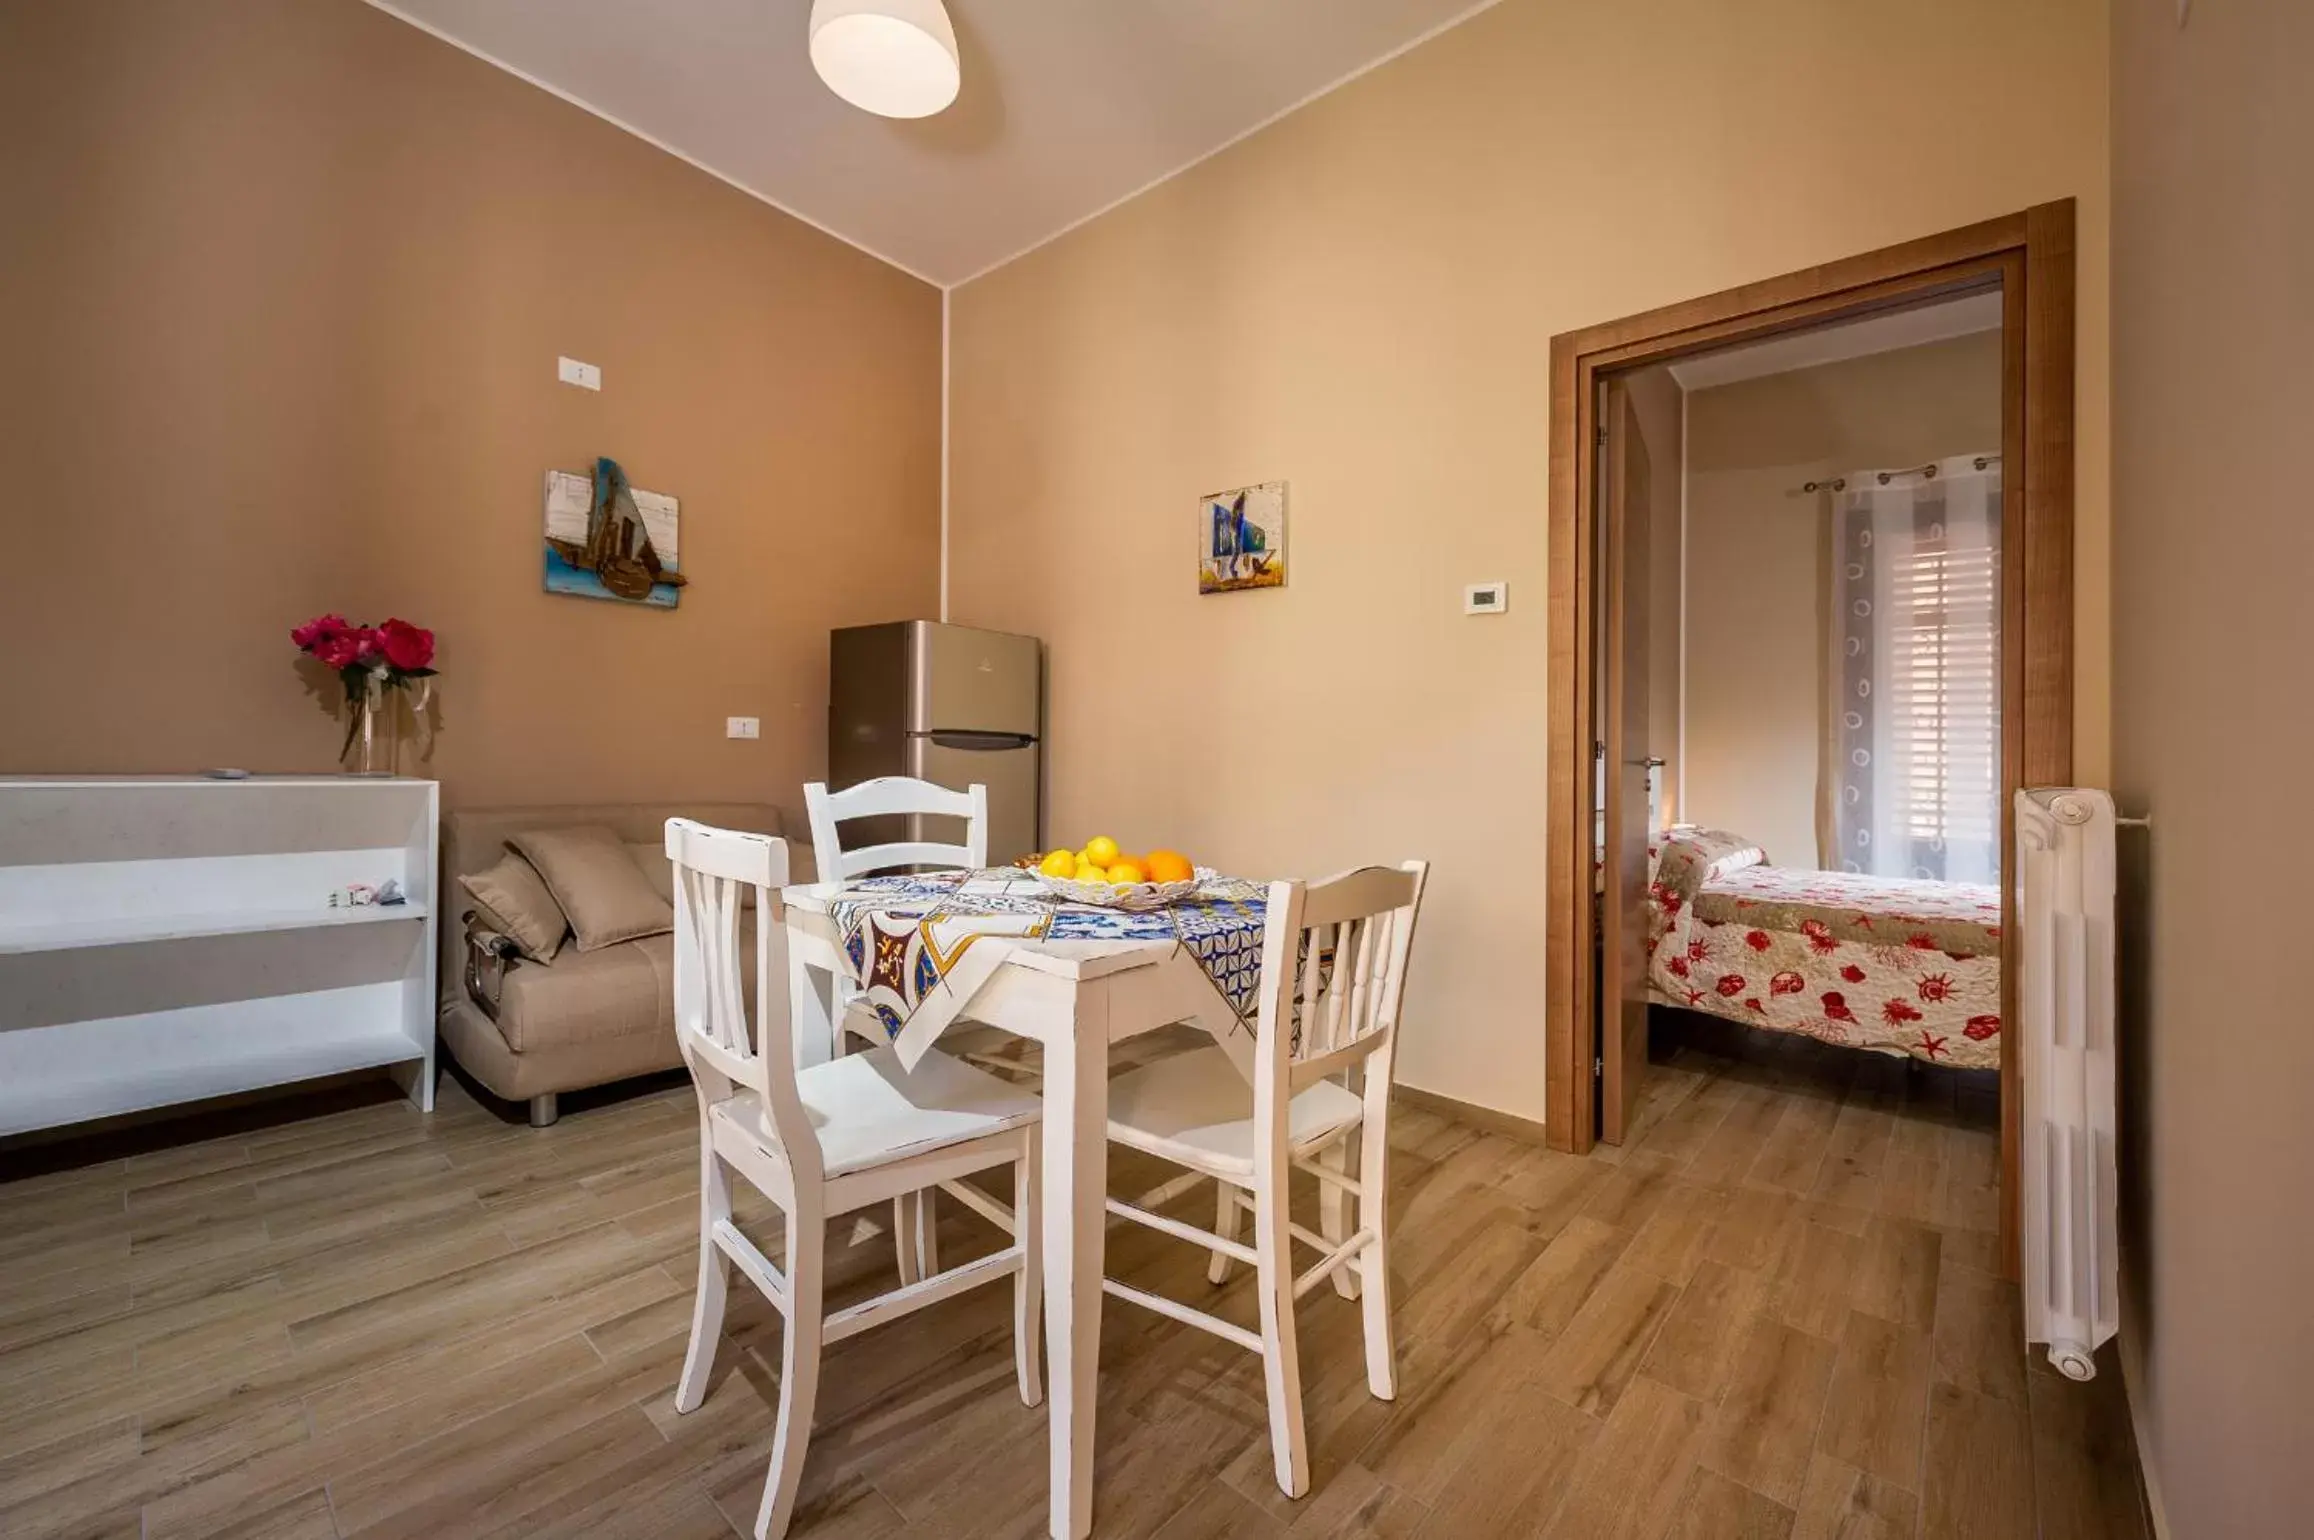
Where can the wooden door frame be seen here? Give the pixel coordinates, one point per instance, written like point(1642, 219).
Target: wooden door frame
point(2031, 256)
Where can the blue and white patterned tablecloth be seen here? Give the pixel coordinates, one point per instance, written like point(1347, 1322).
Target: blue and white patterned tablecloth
point(911, 940)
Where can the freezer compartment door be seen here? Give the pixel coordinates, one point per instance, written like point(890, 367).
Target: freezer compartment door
point(867, 703)
point(1007, 765)
point(965, 679)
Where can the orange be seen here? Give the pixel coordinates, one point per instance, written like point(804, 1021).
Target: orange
point(1169, 866)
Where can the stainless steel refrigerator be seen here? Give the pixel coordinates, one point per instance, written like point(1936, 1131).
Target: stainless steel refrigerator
point(946, 704)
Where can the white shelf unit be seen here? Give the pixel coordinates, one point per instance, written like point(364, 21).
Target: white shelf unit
point(165, 939)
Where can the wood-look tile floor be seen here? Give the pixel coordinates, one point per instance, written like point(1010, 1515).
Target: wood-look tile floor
point(1771, 1314)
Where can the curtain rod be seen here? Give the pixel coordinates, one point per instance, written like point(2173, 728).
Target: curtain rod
point(1840, 484)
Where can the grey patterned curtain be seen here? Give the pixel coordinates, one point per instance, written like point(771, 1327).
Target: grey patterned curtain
point(1915, 712)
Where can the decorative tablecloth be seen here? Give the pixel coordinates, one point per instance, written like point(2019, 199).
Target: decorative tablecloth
point(920, 946)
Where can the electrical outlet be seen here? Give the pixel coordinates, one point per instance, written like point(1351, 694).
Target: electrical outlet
point(742, 727)
point(571, 372)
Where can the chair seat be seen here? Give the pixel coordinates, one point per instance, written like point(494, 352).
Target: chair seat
point(868, 1110)
point(1196, 1110)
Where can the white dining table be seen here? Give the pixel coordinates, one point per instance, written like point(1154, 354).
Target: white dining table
point(1076, 998)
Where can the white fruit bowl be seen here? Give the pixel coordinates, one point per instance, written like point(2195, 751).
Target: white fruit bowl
point(1134, 897)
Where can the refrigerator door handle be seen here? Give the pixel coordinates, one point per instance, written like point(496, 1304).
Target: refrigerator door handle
point(979, 743)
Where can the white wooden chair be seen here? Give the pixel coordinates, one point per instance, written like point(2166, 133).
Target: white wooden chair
point(915, 1223)
point(1333, 966)
point(822, 1141)
point(886, 797)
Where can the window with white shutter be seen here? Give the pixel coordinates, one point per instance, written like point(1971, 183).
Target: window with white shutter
point(1916, 681)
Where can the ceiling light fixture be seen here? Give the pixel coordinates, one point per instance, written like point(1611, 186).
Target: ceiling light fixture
point(894, 58)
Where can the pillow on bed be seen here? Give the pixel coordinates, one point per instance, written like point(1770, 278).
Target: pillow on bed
point(1693, 857)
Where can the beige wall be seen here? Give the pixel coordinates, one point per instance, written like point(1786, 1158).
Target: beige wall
point(2212, 736)
point(1757, 583)
point(1659, 404)
point(285, 284)
point(1360, 300)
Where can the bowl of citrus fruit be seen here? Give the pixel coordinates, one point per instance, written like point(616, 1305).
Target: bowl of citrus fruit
point(1103, 874)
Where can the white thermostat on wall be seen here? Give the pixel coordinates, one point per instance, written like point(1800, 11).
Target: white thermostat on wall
point(1486, 598)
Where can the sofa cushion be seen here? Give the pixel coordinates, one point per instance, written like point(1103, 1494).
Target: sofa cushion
point(610, 992)
point(514, 902)
point(598, 884)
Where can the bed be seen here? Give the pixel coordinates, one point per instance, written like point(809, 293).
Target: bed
point(1886, 964)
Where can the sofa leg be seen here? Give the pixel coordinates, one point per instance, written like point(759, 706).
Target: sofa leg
point(542, 1110)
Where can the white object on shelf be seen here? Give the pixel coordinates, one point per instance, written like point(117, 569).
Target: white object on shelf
point(166, 939)
point(2069, 1117)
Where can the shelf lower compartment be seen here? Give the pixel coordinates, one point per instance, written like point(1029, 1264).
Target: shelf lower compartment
point(95, 1069)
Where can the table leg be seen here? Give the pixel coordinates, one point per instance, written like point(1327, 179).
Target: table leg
point(811, 999)
point(1076, 1171)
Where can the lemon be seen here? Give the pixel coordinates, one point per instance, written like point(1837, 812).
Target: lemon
point(1087, 872)
point(1102, 851)
point(1127, 870)
point(1061, 863)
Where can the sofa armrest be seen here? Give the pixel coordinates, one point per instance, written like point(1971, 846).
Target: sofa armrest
point(489, 956)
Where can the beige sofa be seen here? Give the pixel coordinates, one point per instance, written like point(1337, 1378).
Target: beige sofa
point(530, 1030)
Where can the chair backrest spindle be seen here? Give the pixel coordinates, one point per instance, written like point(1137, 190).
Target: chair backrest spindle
point(1333, 973)
point(712, 867)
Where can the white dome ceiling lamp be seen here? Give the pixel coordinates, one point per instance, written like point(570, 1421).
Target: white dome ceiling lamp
point(894, 58)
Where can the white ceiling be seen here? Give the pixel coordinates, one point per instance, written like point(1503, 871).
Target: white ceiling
point(1068, 106)
point(1883, 333)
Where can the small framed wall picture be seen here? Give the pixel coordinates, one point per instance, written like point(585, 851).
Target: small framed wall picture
point(1242, 539)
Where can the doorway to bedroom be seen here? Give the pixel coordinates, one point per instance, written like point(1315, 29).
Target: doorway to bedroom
point(1811, 629)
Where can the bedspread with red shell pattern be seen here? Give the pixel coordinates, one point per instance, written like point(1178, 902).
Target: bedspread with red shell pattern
point(1888, 964)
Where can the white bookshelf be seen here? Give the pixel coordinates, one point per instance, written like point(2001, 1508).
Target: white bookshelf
point(165, 939)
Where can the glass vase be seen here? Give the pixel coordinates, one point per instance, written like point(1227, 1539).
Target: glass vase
point(373, 740)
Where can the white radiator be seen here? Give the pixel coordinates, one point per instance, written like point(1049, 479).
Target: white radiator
point(2065, 1002)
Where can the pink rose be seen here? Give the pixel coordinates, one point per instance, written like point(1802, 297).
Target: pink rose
point(343, 649)
point(407, 647)
point(318, 630)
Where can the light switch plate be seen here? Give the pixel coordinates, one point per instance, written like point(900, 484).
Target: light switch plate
point(742, 727)
point(1486, 598)
point(571, 372)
